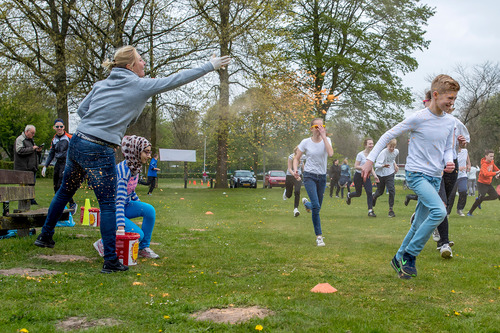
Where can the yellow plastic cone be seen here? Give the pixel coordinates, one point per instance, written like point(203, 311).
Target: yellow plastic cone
point(86, 219)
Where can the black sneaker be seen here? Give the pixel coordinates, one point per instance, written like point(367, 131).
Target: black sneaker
point(45, 241)
point(391, 213)
point(348, 199)
point(407, 264)
point(397, 268)
point(374, 200)
point(407, 200)
point(371, 214)
point(111, 266)
point(33, 202)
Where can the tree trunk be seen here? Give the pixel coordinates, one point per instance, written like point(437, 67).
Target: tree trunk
point(223, 126)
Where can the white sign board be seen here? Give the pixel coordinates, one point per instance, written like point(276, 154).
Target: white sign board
point(177, 155)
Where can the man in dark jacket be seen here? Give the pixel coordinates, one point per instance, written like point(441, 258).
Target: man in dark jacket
point(334, 174)
point(26, 153)
point(59, 150)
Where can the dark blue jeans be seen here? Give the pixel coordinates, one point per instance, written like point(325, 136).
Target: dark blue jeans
point(315, 186)
point(97, 163)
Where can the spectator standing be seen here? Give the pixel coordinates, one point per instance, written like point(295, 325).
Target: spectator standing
point(472, 180)
point(27, 153)
point(59, 150)
point(345, 178)
point(334, 174)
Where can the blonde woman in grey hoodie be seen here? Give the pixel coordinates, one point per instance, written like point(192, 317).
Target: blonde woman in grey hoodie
point(106, 113)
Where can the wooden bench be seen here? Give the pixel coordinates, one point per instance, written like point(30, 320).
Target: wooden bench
point(20, 186)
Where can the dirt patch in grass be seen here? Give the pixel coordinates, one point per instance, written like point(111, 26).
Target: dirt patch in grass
point(81, 236)
point(63, 257)
point(78, 323)
point(27, 271)
point(198, 229)
point(232, 315)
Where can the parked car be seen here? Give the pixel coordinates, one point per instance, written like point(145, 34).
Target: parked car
point(243, 178)
point(400, 176)
point(274, 178)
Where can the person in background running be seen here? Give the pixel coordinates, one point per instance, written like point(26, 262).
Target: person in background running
point(486, 190)
point(293, 185)
point(386, 168)
point(358, 180)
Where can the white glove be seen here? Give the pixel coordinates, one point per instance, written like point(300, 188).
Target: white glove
point(43, 171)
point(219, 62)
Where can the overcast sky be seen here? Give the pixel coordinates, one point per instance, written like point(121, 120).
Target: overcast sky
point(461, 32)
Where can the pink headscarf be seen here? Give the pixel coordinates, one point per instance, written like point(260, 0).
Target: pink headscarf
point(132, 147)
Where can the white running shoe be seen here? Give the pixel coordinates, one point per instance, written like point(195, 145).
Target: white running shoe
point(148, 253)
point(304, 201)
point(296, 212)
point(99, 247)
point(284, 195)
point(446, 251)
point(460, 212)
point(319, 241)
point(435, 235)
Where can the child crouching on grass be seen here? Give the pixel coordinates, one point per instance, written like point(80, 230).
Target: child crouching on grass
point(430, 149)
point(137, 151)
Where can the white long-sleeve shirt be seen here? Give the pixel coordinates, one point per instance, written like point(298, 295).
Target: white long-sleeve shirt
point(431, 142)
point(460, 129)
point(386, 158)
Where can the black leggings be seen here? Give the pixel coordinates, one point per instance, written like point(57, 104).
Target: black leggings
point(292, 184)
point(358, 184)
point(486, 192)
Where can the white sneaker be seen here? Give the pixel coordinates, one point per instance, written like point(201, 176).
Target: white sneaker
point(319, 241)
point(450, 244)
point(304, 201)
point(435, 235)
point(99, 247)
point(147, 253)
point(446, 251)
point(296, 212)
point(460, 212)
point(284, 195)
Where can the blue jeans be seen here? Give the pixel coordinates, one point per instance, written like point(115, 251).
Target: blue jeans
point(140, 209)
point(429, 213)
point(315, 186)
point(97, 163)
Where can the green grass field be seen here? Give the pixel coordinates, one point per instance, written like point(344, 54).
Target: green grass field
point(253, 252)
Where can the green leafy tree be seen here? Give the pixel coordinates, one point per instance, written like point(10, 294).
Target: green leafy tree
point(231, 24)
point(22, 105)
point(354, 51)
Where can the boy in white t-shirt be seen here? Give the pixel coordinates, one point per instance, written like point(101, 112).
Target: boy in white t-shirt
point(430, 149)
